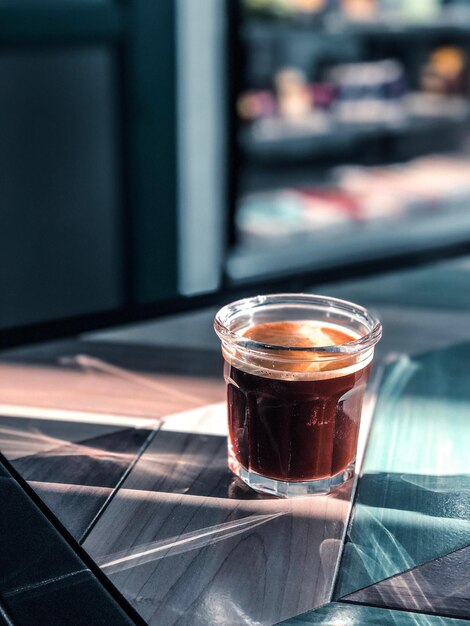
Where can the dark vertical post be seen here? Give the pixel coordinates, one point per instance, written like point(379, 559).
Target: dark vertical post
point(234, 70)
point(152, 159)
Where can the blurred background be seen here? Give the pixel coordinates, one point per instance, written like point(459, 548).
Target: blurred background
point(151, 152)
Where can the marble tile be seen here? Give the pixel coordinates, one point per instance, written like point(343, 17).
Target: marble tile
point(98, 463)
point(76, 506)
point(441, 586)
point(342, 614)
point(27, 436)
point(187, 543)
point(107, 383)
point(76, 414)
point(413, 501)
point(94, 390)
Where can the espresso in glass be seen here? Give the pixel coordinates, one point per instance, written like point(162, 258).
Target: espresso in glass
point(296, 368)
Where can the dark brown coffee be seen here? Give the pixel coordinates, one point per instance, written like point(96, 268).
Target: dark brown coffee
point(303, 427)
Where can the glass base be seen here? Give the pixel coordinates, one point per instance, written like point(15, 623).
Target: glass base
point(286, 489)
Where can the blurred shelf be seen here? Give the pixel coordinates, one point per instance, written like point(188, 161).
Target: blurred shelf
point(446, 26)
point(329, 249)
point(338, 138)
point(452, 24)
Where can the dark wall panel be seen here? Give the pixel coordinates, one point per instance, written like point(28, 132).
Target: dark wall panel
point(60, 212)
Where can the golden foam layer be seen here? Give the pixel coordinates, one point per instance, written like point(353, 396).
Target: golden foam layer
point(303, 334)
point(295, 364)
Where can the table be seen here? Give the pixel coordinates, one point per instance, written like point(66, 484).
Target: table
point(121, 439)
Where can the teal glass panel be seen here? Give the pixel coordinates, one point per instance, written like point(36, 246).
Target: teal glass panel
point(413, 501)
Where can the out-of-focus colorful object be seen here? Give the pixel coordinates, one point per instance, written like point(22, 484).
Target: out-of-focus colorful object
point(287, 7)
point(359, 10)
point(294, 98)
point(420, 10)
point(309, 6)
point(369, 92)
point(293, 94)
point(254, 104)
point(446, 71)
point(360, 95)
point(356, 92)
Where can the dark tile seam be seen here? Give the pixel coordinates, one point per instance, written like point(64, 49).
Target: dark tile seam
point(119, 484)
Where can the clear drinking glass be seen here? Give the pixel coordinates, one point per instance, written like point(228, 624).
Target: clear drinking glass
point(294, 408)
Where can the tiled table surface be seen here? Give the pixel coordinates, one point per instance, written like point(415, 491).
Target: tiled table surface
point(122, 436)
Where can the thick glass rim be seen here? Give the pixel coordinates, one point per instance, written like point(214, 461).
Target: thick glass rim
point(230, 311)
